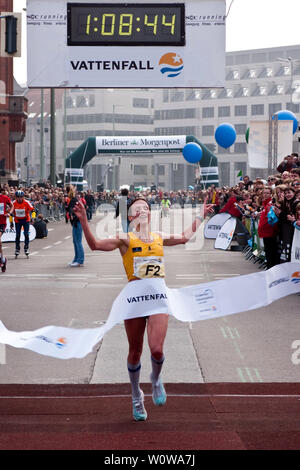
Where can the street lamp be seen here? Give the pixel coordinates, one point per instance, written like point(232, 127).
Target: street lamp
point(114, 106)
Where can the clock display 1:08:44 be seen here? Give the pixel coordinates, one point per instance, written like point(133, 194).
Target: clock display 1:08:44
point(124, 27)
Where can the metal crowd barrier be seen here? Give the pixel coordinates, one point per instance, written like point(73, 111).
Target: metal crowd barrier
point(53, 213)
point(254, 250)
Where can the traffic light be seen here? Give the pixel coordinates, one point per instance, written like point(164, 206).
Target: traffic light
point(11, 28)
point(11, 34)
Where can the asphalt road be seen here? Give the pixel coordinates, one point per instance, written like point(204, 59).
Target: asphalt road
point(250, 347)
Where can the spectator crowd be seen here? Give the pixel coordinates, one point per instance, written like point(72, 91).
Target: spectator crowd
point(274, 203)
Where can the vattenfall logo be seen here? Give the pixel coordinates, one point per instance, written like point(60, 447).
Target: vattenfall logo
point(171, 64)
point(296, 277)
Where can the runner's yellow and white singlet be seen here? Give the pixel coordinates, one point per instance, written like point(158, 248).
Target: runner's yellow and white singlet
point(144, 260)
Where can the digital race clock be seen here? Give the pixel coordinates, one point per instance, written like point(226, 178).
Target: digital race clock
point(123, 24)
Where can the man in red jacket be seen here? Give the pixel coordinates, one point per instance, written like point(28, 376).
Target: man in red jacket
point(230, 207)
point(268, 232)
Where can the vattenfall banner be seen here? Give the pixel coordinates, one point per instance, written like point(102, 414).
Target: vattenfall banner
point(126, 44)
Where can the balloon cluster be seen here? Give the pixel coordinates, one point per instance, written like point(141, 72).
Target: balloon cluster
point(225, 136)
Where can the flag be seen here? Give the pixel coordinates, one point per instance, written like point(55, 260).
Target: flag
point(240, 173)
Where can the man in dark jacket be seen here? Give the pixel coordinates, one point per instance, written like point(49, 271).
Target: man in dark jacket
point(287, 164)
point(268, 232)
point(40, 226)
point(122, 208)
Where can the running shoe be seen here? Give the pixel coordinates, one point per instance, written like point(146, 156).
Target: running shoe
point(159, 395)
point(3, 265)
point(138, 409)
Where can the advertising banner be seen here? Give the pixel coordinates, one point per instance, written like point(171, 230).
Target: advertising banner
point(126, 44)
point(225, 235)
point(214, 225)
point(10, 233)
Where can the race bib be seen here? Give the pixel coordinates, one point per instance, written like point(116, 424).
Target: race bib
point(20, 213)
point(148, 267)
point(1, 208)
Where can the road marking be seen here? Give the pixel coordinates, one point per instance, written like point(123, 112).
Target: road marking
point(47, 247)
point(50, 229)
point(232, 332)
point(189, 275)
point(34, 253)
point(127, 395)
point(248, 374)
point(66, 238)
point(57, 243)
point(2, 354)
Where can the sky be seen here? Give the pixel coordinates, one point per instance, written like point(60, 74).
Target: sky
point(251, 24)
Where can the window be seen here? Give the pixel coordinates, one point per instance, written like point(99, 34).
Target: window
point(266, 72)
point(192, 95)
point(140, 169)
point(240, 110)
point(208, 130)
point(238, 166)
point(176, 95)
point(223, 150)
point(257, 109)
point(140, 103)
point(160, 170)
point(224, 173)
point(82, 101)
point(208, 112)
point(274, 107)
point(240, 147)
point(295, 108)
point(165, 96)
point(240, 128)
point(188, 130)
point(224, 111)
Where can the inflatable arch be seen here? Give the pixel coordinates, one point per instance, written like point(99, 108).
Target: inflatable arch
point(125, 145)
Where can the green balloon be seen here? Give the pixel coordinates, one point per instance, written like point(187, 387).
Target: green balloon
point(247, 135)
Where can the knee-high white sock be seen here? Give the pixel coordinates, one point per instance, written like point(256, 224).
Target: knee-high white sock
point(134, 376)
point(156, 368)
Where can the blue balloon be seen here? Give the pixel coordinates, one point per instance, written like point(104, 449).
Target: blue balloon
point(192, 152)
point(285, 115)
point(225, 135)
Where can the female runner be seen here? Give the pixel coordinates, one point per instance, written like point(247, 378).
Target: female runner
point(142, 253)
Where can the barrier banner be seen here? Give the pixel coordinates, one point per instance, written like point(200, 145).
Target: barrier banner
point(295, 253)
point(214, 225)
point(225, 235)
point(151, 296)
point(10, 234)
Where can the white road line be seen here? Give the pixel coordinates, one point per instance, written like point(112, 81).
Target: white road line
point(66, 238)
point(57, 243)
point(50, 229)
point(34, 253)
point(47, 247)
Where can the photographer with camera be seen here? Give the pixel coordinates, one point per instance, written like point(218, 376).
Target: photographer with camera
point(78, 260)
